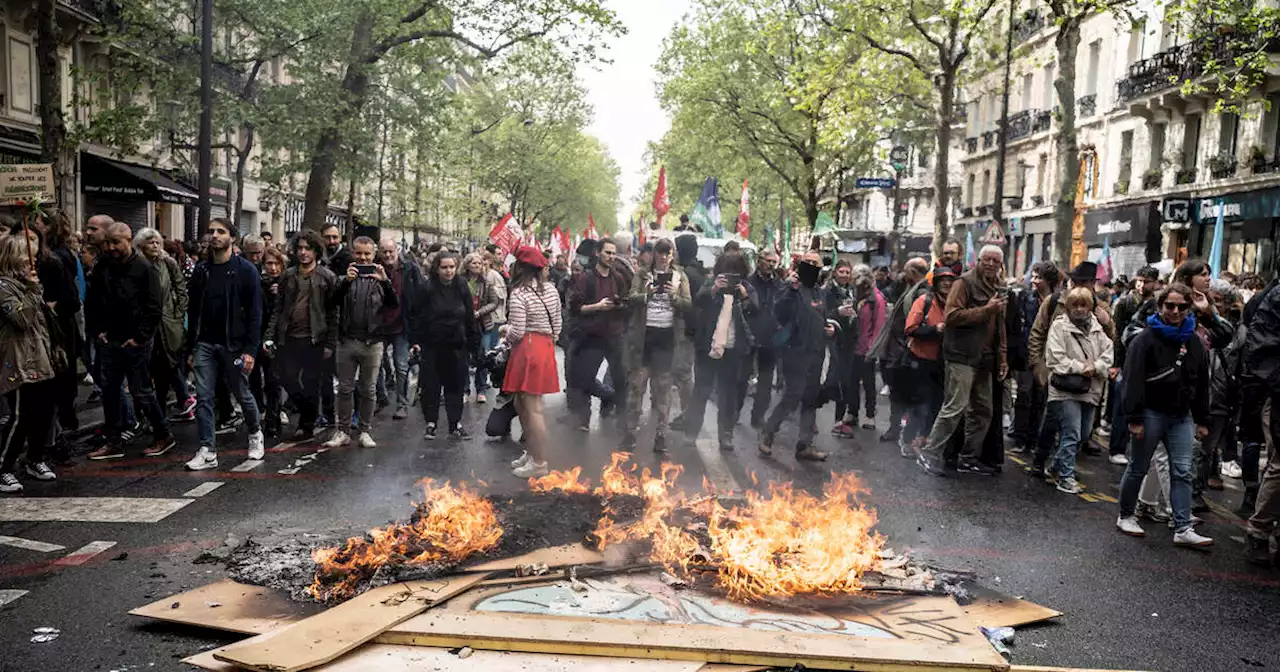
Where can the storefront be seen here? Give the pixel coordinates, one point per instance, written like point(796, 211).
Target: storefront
point(1249, 229)
point(1030, 241)
point(1131, 231)
point(134, 194)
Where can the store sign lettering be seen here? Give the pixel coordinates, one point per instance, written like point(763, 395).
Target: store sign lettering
point(1114, 226)
point(1209, 210)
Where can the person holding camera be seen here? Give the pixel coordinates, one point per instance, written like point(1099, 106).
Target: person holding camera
point(359, 299)
point(597, 303)
point(973, 346)
point(660, 301)
point(723, 343)
point(1079, 355)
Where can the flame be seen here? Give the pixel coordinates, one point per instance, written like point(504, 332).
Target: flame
point(452, 523)
point(782, 543)
point(564, 481)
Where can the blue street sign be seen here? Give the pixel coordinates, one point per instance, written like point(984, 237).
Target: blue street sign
point(874, 183)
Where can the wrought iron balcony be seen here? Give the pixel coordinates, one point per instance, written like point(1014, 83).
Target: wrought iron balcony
point(1222, 166)
point(1027, 25)
point(988, 139)
point(1019, 126)
point(966, 212)
point(1037, 201)
point(1175, 65)
point(1087, 106)
point(1043, 119)
point(1152, 180)
point(1185, 176)
point(971, 144)
point(1261, 165)
point(1015, 202)
point(93, 8)
point(982, 210)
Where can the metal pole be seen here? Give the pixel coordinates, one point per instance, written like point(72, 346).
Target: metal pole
point(382, 171)
point(896, 234)
point(204, 151)
point(997, 209)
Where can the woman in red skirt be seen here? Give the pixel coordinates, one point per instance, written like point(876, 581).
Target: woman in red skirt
point(533, 325)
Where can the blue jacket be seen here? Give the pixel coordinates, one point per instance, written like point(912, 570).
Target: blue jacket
point(244, 306)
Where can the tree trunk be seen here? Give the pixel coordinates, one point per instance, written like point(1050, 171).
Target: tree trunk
point(355, 88)
point(1064, 213)
point(53, 127)
point(941, 176)
point(242, 162)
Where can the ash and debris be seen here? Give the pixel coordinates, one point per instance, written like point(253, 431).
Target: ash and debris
point(284, 564)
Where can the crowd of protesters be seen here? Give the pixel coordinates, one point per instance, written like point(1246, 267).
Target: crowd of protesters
point(1171, 377)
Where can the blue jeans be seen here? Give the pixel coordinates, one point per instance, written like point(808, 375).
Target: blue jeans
point(1075, 419)
point(119, 364)
point(395, 361)
point(1177, 433)
point(1119, 424)
point(212, 361)
point(488, 341)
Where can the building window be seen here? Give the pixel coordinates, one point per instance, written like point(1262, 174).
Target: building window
point(1136, 35)
point(1126, 158)
point(1270, 134)
point(1228, 130)
point(986, 188)
point(1190, 142)
point(1042, 170)
point(1050, 94)
point(22, 92)
point(1027, 83)
point(1091, 73)
point(968, 193)
point(1156, 159)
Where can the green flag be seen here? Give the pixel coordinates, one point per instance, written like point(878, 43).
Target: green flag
point(786, 241)
point(825, 224)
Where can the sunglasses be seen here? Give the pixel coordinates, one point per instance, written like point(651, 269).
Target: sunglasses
point(1183, 307)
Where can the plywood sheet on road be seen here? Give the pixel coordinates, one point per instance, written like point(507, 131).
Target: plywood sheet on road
point(393, 658)
point(89, 509)
point(556, 556)
point(994, 609)
point(231, 607)
point(326, 636)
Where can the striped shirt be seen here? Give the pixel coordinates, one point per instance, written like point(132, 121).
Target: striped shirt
point(533, 308)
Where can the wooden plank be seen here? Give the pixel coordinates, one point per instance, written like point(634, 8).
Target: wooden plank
point(240, 608)
point(603, 637)
point(722, 667)
point(393, 658)
point(1040, 668)
point(994, 609)
point(557, 556)
point(326, 636)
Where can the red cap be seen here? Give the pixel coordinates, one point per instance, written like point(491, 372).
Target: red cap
point(531, 255)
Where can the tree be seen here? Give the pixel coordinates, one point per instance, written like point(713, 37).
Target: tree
point(53, 128)
point(934, 38)
point(751, 77)
point(483, 28)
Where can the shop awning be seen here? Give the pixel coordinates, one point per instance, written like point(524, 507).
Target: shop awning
point(129, 180)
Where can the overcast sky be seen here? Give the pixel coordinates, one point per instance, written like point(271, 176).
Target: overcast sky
point(627, 115)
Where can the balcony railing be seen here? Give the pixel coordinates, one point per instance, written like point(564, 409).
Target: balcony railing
point(1037, 201)
point(960, 113)
point(988, 139)
point(1042, 121)
point(982, 210)
point(1185, 176)
point(1222, 166)
point(971, 145)
point(91, 7)
point(1175, 65)
point(1027, 25)
point(1087, 106)
point(1261, 165)
point(1019, 126)
point(1015, 202)
point(966, 212)
point(1152, 180)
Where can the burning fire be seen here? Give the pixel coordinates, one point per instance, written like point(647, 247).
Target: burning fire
point(784, 543)
point(451, 523)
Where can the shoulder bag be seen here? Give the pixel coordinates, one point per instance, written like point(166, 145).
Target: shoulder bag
point(1072, 383)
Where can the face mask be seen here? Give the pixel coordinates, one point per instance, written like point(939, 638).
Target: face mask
point(808, 274)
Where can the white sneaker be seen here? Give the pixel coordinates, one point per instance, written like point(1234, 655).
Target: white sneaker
point(531, 469)
point(1118, 459)
point(1189, 537)
point(366, 441)
point(1231, 469)
point(1069, 486)
point(88, 379)
point(204, 459)
point(1130, 527)
point(41, 472)
point(522, 460)
point(338, 440)
point(9, 483)
point(284, 418)
point(257, 446)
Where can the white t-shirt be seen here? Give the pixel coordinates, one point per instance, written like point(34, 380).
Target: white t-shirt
point(659, 311)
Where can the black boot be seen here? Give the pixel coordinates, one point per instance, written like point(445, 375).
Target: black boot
point(891, 435)
point(1249, 504)
point(1258, 551)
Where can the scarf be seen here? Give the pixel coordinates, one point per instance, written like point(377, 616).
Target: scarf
point(724, 322)
point(1179, 334)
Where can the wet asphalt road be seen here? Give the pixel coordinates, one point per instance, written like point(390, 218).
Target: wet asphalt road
point(1136, 604)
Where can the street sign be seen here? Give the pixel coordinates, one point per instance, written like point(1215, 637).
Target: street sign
point(25, 182)
point(874, 183)
point(994, 235)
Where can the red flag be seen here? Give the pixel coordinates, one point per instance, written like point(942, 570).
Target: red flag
point(559, 241)
point(661, 204)
point(744, 214)
point(591, 232)
point(506, 234)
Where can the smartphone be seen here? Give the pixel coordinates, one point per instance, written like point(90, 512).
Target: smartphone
point(366, 269)
point(661, 280)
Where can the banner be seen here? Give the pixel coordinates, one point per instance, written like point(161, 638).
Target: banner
point(506, 234)
point(744, 214)
point(26, 183)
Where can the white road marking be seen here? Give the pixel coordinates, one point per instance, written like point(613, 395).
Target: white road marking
point(9, 595)
point(85, 553)
point(247, 465)
point(30, 545)
point(717, 470)
point(90, 509)
point(203, 489)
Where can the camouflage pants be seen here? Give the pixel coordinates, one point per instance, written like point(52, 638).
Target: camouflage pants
point(656, 372)
point(681, 374)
